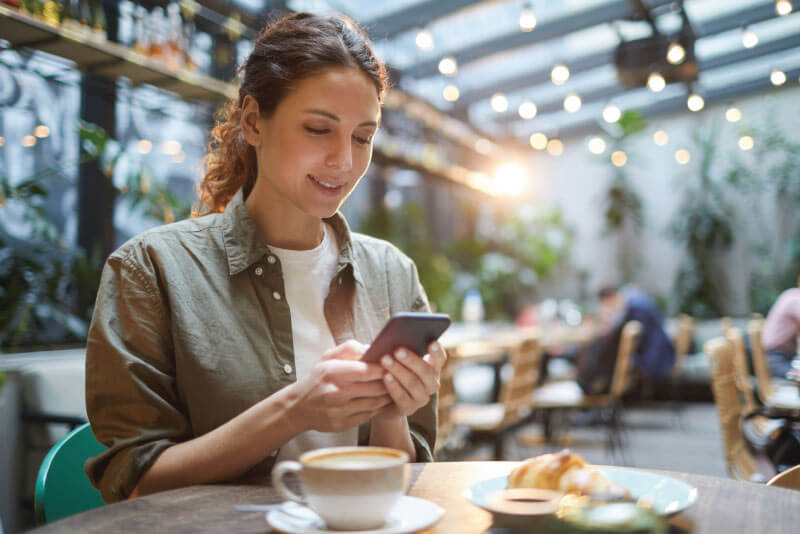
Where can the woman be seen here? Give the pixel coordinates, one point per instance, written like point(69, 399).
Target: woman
point(228, 341)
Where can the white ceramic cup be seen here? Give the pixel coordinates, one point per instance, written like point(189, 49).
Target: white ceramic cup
point(350, 488)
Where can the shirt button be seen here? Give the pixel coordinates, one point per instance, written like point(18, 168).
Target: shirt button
point(259, 271)
point(271, 259)
point(276, 295)
point(287, 369)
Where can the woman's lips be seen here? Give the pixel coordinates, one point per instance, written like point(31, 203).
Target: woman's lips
point(326, 185)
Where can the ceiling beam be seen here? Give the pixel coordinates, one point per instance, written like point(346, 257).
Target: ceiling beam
point(559, 27)
point(414, 16)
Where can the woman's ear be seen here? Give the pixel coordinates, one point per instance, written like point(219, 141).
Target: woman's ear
point(249, 121)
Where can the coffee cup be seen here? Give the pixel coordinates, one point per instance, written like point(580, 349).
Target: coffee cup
point(350, 488)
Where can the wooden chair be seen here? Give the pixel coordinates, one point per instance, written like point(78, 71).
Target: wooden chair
point(447, 399)
point(682, 342)
point(495, 420)
point(770, 391)
point(789, 479)
point(569, 395)
point(740, 461)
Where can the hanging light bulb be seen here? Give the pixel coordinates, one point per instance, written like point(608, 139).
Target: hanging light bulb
point(538, 141)
point(660, 138)
point(783, 7)
point(611, 113)
point(424, 40)
point(619, 158)
point(656, 82)
point(732, 114)
point(451, 93)
point(777, 77)
point(675, 53)
point(499, 102)
point(746, 143)
point(682, 156)
point(597, 145)
point(695, 102)
point(559, 74)
point(555, 147)
point(527, 110)
point(527, 18)
point(749, 38)
point(572, 103)
point(448, 66)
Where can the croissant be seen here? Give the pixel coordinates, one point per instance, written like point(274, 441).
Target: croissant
point(567, 472)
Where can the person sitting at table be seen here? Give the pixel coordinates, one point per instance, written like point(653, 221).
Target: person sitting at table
point(781, 328)
point(228, 341)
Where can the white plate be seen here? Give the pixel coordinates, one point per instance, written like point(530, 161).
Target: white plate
point(665, 495)
point(410, 514)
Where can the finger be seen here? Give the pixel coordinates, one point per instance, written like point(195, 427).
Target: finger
point(426, 374)
point(344, 371)
point(438, 356)
point(356, 390)
point(349, 350)
point(400, 396)
point(366, 404)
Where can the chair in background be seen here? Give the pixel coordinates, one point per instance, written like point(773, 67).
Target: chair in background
point(789, 479)
point(684, 335)
point(447, 399)
point(741, 463)
point(62, 488)
point(495, 420)
point(568, 395)
point(770, 391)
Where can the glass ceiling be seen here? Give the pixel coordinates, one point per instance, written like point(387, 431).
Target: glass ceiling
point(494, 55)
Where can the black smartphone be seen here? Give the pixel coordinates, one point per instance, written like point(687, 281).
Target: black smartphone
point(414, 331)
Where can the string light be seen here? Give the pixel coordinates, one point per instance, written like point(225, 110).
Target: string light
point(695, 102)
point(619, 158)
point(611, 113)
point(732, 114)
point(41, 131)
point(448, 66)
point(499, 102)
point(555, 147)
point(484, 146)
point(749, 38)
point(2, 141)
point(527, 110)
point(783, 7)
point(746, 143)
point(777, 77)
point(145, 146)
point(572, 103)
point(28, 141)
point(682, 156)
point(597, 145)
point(559, 74)
point(527, 19)
point(424, 40)
point(675, 53)
point(538, 141)
point(656, 82)
point(660, 138)
point(451, 93)
point(171, 148)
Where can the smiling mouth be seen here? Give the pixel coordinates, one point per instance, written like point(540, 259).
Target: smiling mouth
point(326, 185)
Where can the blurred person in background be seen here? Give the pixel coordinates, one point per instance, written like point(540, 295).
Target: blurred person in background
point(781, 328)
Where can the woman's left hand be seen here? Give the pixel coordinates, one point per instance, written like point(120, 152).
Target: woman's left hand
point(411, 379)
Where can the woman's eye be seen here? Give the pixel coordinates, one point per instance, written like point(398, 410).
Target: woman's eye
point(315, 131)
point(362, 140)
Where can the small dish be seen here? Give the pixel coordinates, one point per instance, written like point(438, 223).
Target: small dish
point(410, 514)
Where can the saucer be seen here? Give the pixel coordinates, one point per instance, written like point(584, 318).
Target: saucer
point(410, 514)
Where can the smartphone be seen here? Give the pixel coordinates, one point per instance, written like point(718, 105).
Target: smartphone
point(414, 331)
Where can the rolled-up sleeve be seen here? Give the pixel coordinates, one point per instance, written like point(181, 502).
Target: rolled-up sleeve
point(131, 396)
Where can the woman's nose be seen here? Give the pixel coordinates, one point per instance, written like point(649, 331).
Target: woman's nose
point(341, 156)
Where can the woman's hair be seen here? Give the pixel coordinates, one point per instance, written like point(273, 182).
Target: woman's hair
point(286, 52)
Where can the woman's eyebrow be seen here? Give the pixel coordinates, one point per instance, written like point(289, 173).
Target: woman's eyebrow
point(337, 119)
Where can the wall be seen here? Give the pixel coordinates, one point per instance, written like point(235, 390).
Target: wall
point(577, 181)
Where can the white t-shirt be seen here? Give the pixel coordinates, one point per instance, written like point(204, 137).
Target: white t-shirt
point(307, 275)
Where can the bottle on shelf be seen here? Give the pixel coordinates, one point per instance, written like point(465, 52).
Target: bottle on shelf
point(174, 47)
point(141, 39)
point(98, 19)
point(157, 34)
point(52, 11)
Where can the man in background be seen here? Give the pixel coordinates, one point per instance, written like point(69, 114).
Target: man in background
point(781, 329)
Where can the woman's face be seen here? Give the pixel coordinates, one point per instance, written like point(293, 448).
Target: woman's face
point(318, 144)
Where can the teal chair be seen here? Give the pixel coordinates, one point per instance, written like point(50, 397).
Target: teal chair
point(62, 488)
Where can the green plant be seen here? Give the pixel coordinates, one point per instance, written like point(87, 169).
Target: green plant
point(703, 225)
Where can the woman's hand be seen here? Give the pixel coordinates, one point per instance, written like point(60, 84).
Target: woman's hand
point(410, 379)
point(340, 393)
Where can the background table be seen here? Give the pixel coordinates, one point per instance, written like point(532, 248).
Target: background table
point(723, 505)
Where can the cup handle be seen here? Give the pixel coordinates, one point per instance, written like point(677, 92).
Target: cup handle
point(278, 472)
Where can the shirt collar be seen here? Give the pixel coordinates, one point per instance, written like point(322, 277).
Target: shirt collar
point(244, 246)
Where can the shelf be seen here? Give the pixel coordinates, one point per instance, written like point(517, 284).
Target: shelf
point(93, 52)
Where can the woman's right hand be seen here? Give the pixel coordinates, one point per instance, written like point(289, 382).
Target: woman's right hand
point(340, 392)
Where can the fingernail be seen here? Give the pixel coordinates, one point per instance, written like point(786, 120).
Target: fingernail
point(389, 378)
point(386, 360)
point(401, 353)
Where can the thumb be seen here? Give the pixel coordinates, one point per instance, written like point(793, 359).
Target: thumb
point(349, 350)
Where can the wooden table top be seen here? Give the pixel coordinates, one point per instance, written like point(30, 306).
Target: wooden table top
point(724, 505)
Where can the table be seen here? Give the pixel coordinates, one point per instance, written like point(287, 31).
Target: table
point(724, 505)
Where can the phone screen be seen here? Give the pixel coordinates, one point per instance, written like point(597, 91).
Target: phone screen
point(414, 331)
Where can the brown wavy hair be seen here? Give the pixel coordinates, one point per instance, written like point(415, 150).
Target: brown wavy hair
point(286, 52)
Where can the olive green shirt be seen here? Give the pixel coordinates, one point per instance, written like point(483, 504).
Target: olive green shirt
point(191, 328)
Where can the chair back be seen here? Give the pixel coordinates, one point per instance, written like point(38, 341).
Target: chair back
point(683, 341)
point(740, 462)
point(62, 488)
point(743, 382)
point(624, 363)
point(760, 365)
point(789, 479)
point(516, 393)
point(447, 399)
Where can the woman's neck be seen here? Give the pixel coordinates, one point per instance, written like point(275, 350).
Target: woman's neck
point(281, 224)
